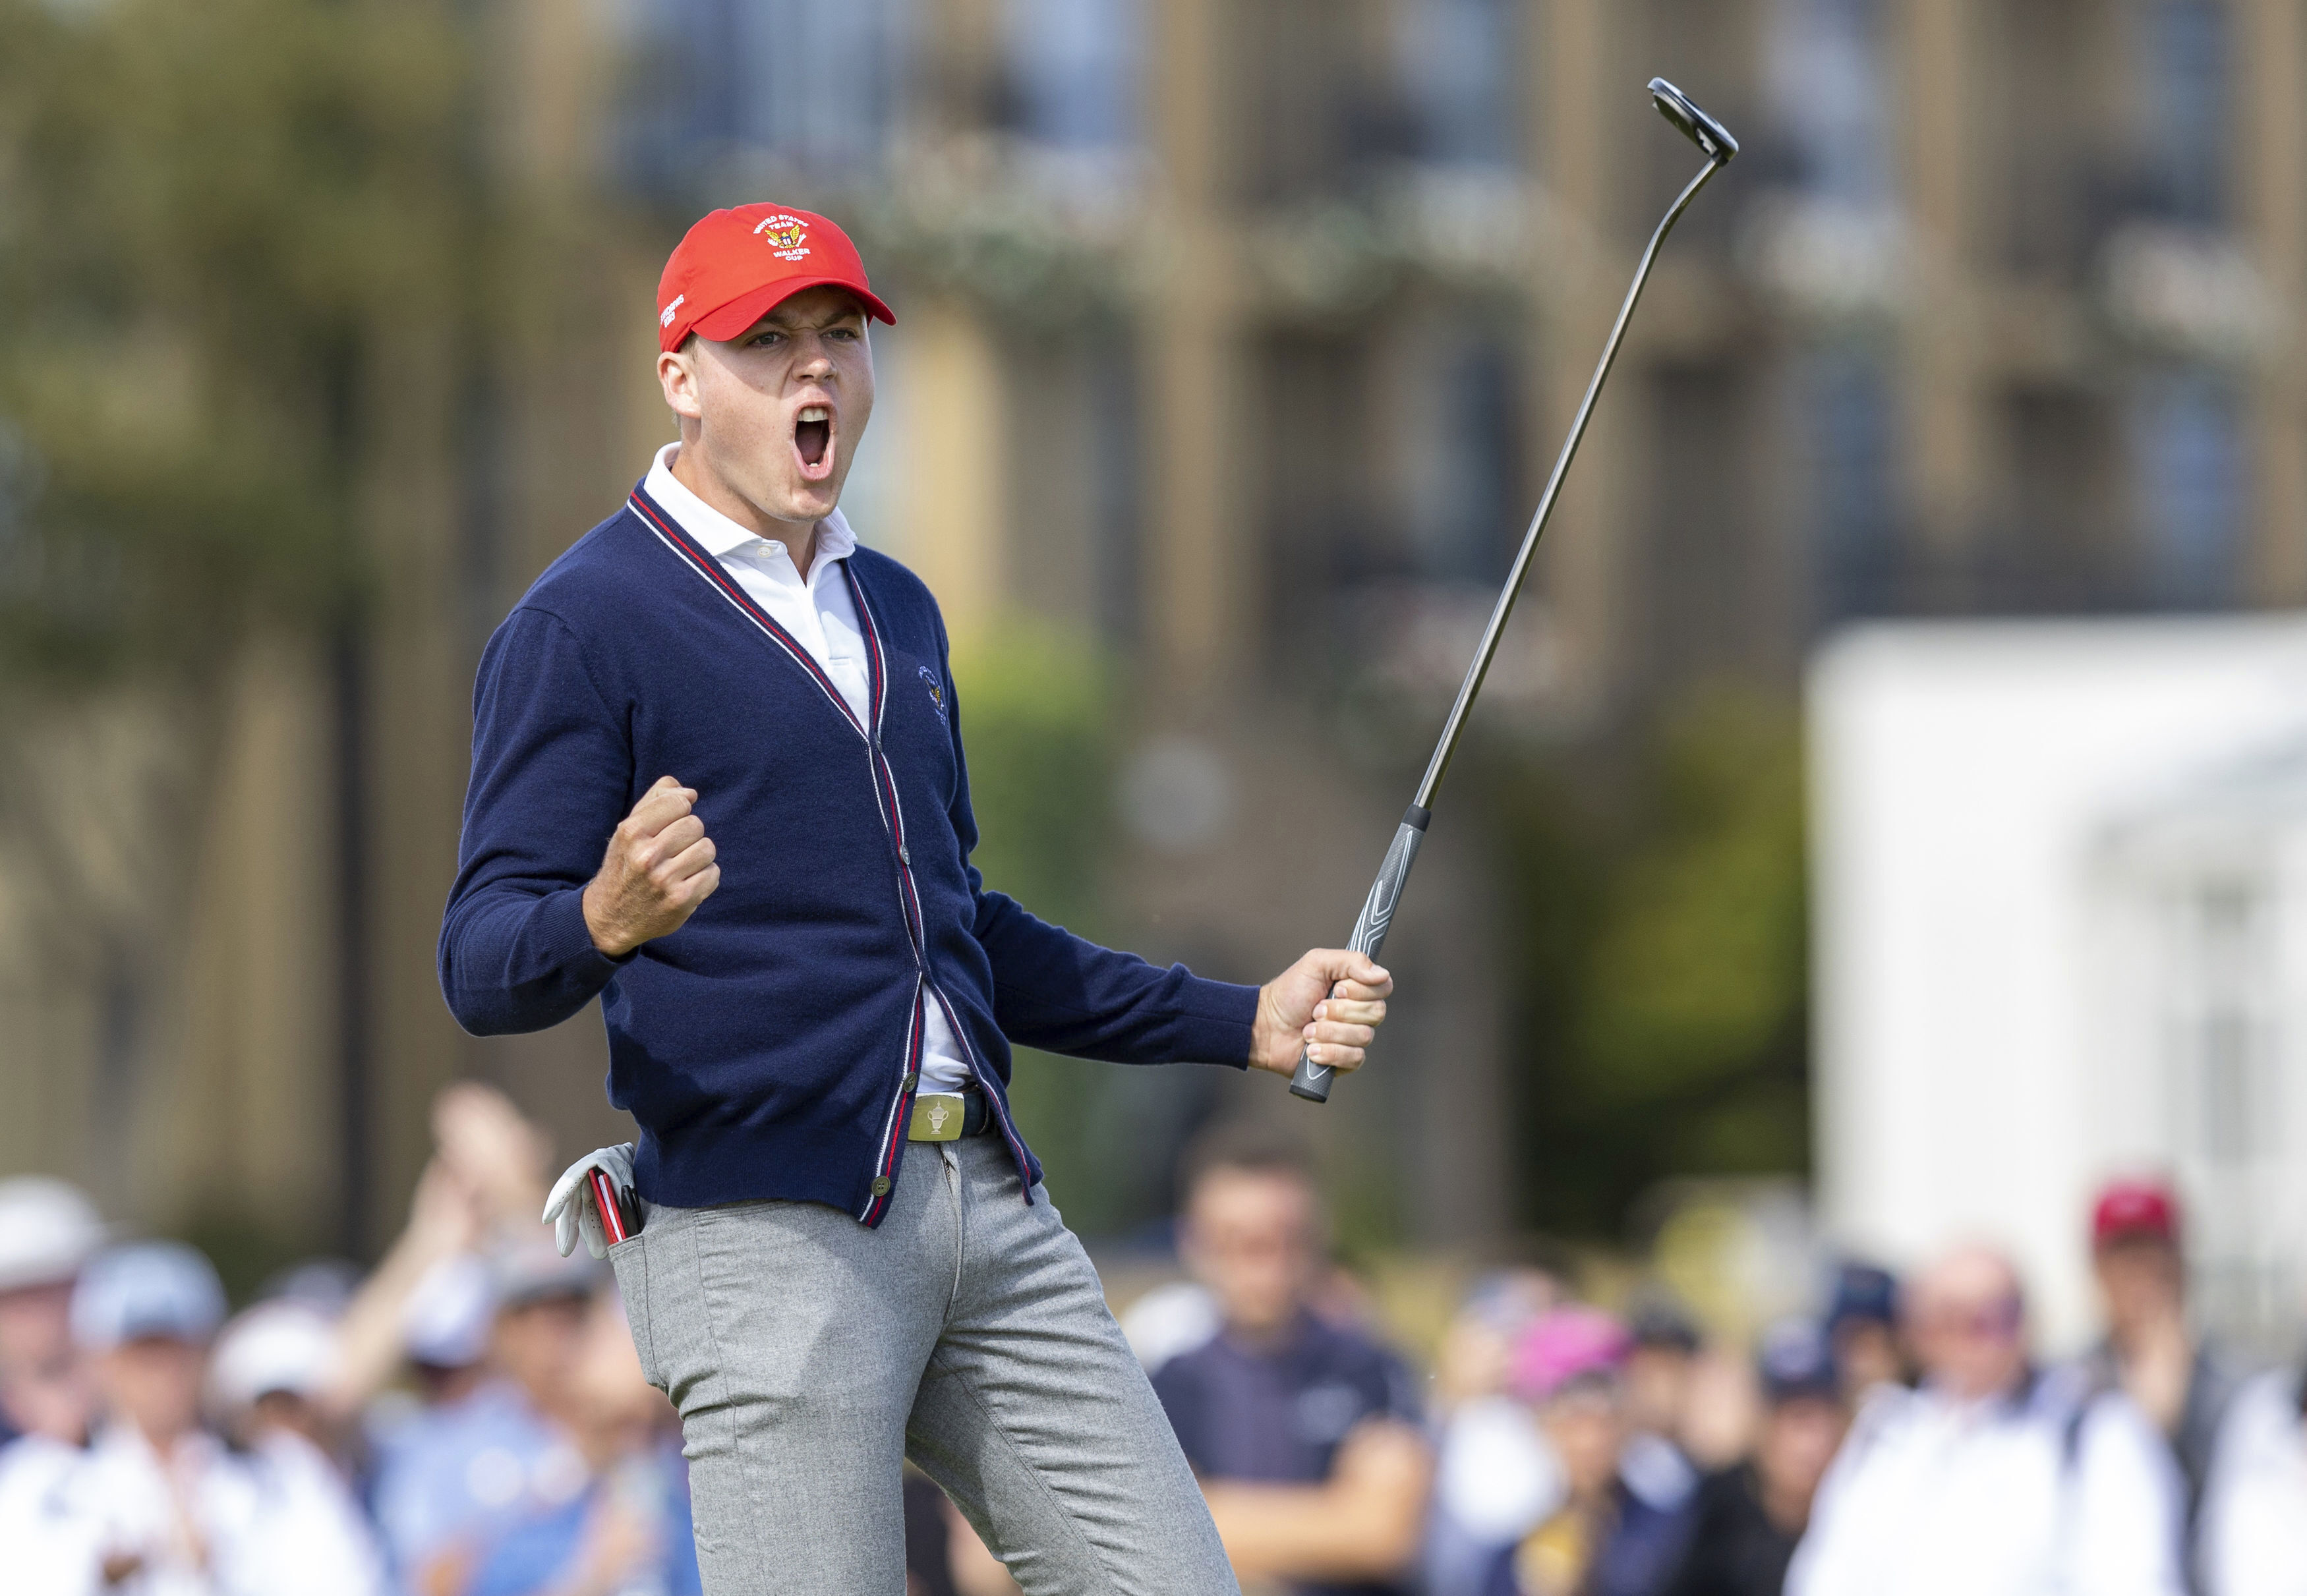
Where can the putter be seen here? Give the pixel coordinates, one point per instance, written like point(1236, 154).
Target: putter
point(1312, 1080)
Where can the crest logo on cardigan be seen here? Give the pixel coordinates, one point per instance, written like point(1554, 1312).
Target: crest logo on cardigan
point(936, 690)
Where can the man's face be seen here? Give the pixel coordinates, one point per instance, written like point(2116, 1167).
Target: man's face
point(35, 1323)
point(1585, 1423)
point(1867, 1353)
point(286, 1411)
point(536, 1345)
point(1799, 1438)
point(43, 1379)
point(154, 1383)
point(1251, 1236)
point(776, 412)
point(2140, 1278)
point(1658, 1388)
point(1971, 1328)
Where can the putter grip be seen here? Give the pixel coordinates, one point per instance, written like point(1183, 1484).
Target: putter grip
point(1312, 1081)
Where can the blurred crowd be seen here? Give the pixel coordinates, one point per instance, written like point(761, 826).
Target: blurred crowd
point(468, 1418)
point(1906, 1438)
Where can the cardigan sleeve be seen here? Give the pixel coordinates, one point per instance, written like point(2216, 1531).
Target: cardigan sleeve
point(1062, 993)
point(552, 773)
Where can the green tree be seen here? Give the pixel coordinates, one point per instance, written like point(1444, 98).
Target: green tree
point(1038, 713)
point(1661, 957)
point(215, 220)
point(228, 230)
point(1037, 706)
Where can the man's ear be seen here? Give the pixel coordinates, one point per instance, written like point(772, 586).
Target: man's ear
point(676, 374)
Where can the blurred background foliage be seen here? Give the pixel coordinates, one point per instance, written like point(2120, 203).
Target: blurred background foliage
point(1657, 961)
point(1040, 715)
point(215, 220)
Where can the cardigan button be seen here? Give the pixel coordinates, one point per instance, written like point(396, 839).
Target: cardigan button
point(913, 1079)
point(903, 857)
point(880, 1185)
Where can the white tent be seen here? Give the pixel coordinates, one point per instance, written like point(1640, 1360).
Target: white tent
point(2061, 933)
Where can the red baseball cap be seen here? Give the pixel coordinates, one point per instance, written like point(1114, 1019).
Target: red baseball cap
point(736, 266)
point(2129, 1210)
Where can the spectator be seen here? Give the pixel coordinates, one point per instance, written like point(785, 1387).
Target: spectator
point(627, 1531)
point(445, 1331)
point(1862, 1332)
point(1991, 1480)
point(1495, 1478)
point(47, 1232)
point(944, 1555)
point(482, 1189)
point(1614, 1534)
point(271, 1371)
point(1661, 1360)
point(2176, 1379)
point(1171, 1318)
point(1304, 1434)
point(1749, 1517)
point(2251, 1537)
point(462, 1473)
point(1661, 1379)
point(157, 1505)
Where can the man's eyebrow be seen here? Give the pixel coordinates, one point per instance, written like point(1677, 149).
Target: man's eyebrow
point(788, 322)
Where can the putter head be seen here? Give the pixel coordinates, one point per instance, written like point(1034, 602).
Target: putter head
point(1711, 136)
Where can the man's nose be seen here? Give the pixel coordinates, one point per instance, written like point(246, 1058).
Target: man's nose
point(816, 358)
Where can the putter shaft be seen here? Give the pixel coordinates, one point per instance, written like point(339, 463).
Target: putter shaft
point(1311, 1081)
point(1454, 727)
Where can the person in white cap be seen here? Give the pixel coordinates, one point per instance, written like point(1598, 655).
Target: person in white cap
point(48, 1230)
point(271, 1373)
point(158, 1506)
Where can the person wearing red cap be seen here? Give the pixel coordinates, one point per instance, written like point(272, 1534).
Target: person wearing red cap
point(2179, 1380)
point(718, 782)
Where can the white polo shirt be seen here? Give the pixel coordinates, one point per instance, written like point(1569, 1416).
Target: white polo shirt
point(818, 612)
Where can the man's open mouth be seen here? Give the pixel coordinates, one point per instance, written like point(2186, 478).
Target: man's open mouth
point(813, 441)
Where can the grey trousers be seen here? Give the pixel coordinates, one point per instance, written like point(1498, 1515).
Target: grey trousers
point(808, 1355)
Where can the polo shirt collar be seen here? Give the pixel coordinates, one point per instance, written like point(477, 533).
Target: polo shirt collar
point(719, 535)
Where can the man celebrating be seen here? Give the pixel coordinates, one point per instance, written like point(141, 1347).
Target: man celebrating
point(718, 779)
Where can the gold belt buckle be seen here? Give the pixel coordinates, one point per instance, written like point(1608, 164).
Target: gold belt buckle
point(937, 1116)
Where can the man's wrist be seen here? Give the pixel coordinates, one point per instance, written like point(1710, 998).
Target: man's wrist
point(604, 941)
point(1273, 1047)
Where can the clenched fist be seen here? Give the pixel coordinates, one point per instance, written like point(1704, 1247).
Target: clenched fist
point(659, 867)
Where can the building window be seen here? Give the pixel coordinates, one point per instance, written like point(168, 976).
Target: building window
point(2223, 1081)
point(1830, 99)
point(2188, 445)
point(1462, 61)
point(1848, 418)
point(815, 88)
point(1075, 71)
point(2184, 106)
point(1465, 515)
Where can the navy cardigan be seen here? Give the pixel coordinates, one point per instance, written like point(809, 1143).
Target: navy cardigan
point(771, 1046)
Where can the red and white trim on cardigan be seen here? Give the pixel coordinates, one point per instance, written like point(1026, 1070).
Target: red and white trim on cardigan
point(694, 555)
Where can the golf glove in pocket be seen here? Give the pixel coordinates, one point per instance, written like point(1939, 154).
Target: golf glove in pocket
point(569, 1209)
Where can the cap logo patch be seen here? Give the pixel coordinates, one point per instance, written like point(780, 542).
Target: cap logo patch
point(787, 234)
point(664, 316)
